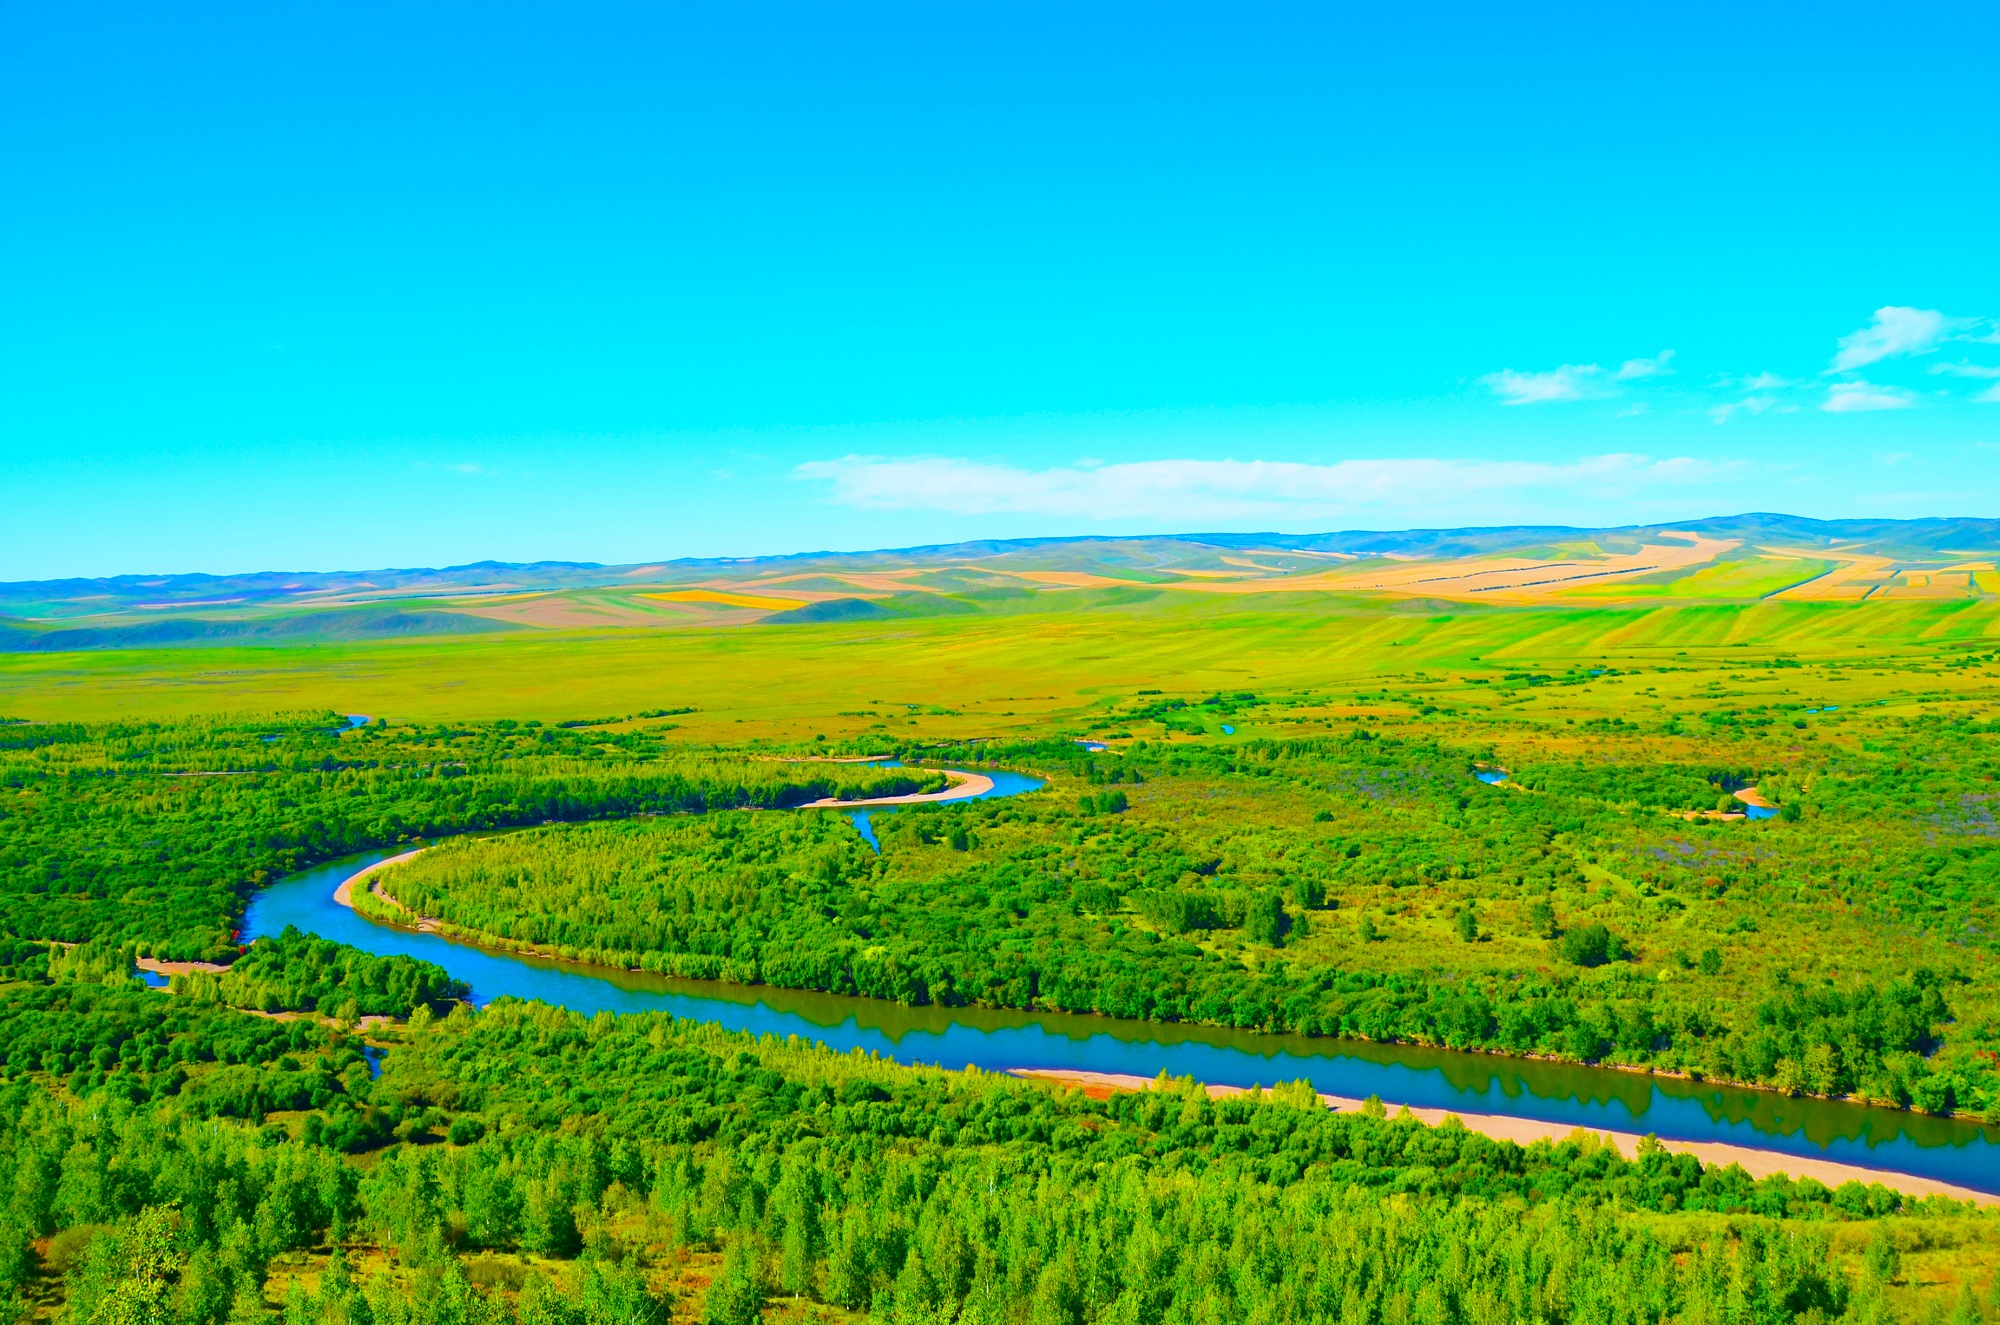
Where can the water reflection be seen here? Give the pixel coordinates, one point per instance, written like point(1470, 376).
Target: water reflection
point(1951, 1150)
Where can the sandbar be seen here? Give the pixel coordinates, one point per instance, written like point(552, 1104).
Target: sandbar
point(1526, 1131)
point(964, 786)
point(158, 967)
point(344, 897)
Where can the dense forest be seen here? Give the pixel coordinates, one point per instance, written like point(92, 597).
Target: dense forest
point(1355, 885)
point(259, 1139)
point(155, 833)
point(181, 1161)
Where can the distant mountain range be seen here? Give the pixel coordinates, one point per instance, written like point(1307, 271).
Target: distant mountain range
point(1757, 555)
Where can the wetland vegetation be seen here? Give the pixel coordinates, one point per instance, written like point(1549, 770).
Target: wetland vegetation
point(1332, 865)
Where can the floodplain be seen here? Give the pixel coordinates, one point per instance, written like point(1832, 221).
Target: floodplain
point(1262, 815)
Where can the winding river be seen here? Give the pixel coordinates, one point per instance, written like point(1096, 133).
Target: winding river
point(1948, 1150)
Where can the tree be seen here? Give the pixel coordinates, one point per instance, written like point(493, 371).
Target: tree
point(736, 1296)
point(1592, 945)
point(1468, 924)
point(1264, 920)
point(1542, 919)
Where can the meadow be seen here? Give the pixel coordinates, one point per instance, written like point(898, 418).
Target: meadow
point(1284, 831)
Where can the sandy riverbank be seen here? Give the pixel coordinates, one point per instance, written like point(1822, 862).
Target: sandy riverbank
point(344, 896)
point(176, 968)
point(963, 786)
point(1527, 1131)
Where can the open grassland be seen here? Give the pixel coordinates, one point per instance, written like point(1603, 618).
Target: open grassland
point(1052, 658)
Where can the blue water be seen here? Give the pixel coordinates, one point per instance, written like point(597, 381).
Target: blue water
point(1490, 777)
point(1951, 1150)
point(1004, 784)
point(1758, 812)
point(1228, 730)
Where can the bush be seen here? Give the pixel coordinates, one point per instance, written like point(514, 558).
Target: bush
point(1593, 945)
point(1265, 921)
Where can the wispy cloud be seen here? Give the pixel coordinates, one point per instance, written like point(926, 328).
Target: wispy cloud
point(1183, 490)
point(1859, 397)
point(1768, 393)
point(1752, 405)
point(1990, 396)
point(1761, 382)
point(1893, 333)
point(1633, 370)
point(1572, 381)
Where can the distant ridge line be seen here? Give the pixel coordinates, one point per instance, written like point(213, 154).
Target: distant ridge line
point(1139, 556)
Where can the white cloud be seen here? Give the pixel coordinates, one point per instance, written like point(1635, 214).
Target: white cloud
point(1858, 397)
point(1763, 382)
point(1965, 369)
point(1990, 396)
point(1634, 369)
point(1895, 332)
point(1570, 382)
point(1747, 405)
point(1427, 490)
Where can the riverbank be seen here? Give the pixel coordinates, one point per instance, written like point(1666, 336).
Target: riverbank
point(1757, 1162)
point(964, 786)
point(1526, 1131)
point(343, 894)
point(158, 967)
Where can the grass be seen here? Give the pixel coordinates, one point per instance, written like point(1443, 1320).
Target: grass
point(1051, 661)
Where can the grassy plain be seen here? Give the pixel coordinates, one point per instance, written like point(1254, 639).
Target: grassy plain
point(1052, 658)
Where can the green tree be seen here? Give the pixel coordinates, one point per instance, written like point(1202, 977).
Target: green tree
point(736, 1295)
point(1592, 945)
point(1264, 918)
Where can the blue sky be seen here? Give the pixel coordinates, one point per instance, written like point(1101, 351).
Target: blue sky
point(336, 286)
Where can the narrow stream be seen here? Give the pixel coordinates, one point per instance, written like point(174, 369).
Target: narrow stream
point(1953, 1151)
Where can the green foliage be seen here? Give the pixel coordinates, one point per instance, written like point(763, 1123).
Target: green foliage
point(155, 833)
point(1142, 916)
point(1591, 945)
point(862, 1184)
point(1264, 918)
point(294, 971)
